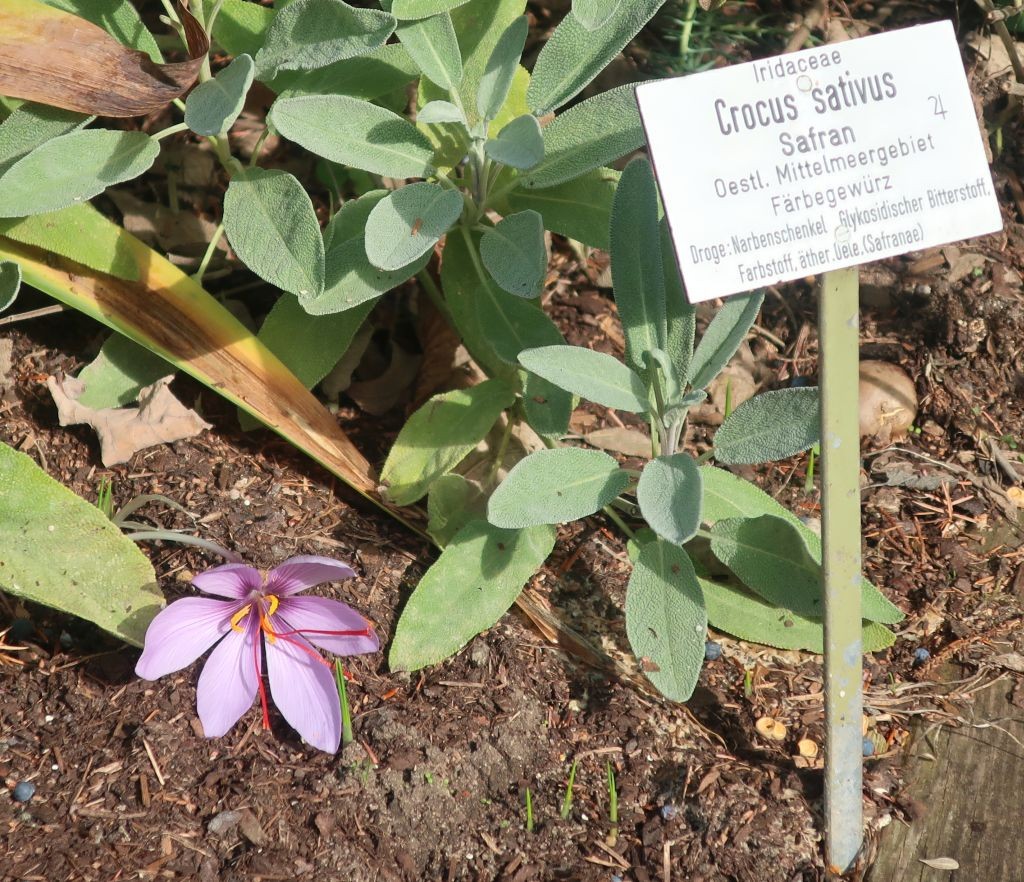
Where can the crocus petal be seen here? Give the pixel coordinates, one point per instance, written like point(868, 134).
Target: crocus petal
point(299, 573)
point(311, 614)
point(181, 633)
point(304, 690)
point(228, 683)
point(230, 580)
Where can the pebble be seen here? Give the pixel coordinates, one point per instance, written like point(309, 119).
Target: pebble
point(24, 791)
point(712, 651)
point(868, 747)
point(668, 811)
point(921, 655)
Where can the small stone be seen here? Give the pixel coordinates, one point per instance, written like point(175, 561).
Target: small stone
point(921, 655)
point(24, 791)
point(223, 822)
point(712, 651)
point(668, 811)
point(868, 747)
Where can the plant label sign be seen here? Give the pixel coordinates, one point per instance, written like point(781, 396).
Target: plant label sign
point(831, 157)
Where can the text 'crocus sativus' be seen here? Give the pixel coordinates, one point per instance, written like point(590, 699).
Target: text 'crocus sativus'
point(260, 611)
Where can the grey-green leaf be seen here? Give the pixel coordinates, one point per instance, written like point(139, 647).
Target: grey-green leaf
point(270, 222)
point(596, 376)
point(212, 107)
point(590, 134)
point(119, 372)
point(514, 254)
point(73, 168)
point(59, 550)
point(665, 619)
point(433, 44)
point(519, 144)
point(31, 125)
point(670, 494)
point(554, 486)
point(310, 34)
point(10, 283)
point(592, 14)
point(637, 271)
point(472, 584)
point(681, 317)
point(580, 209)
point(440, 112)
point(405, 9)
point(501, 67)
point(453, 502)
point(723, 336)
point(353, 132)
point(352, 280)
point(770, 426)
point(439, 435)
point(573, 55)
point(409, 222)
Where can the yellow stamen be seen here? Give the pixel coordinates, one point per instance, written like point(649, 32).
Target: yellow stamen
point(268, 629)
point(236, 619)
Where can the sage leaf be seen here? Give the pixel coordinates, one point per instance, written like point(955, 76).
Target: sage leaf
point(670, 495)
point(439, 435)
point(514, 254)
point(32, 125)
point(665, 619)
point(10, 283)
point(212, 107)
point(271, 225)
point(574, 55)
point(353, 132)
point(241, 27)
point(73, 168)
point(580, 209)
point(119, 372)
point(405, 9)
point(382, 72)
point(501, 68)
point(554, 486)
point(596, 376)
point(681, 317)
point(440, 112)
point(637, 271)
point(310, 34)
point(471, 585)
point(770, 426)
point(453, 502)
point(352, 280)
point(433, 44)
point(590, 134)
point(592, 14)
point(723, 336)
point(409, 222)
point(519, 144)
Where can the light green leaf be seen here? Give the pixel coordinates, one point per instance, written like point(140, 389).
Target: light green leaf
point(309, 34)
point(241, 27)
point(440, 112)
point(453, 502)
point(61, 551)
point(369, 77)
point(472, 584)
point(728, 496)
point(270, 222)
point(580, 209)
point(637, 271)
point(119, 372)
point(439, 435)
point(681, 317)
point(770, 426)
point(554, 486)
point(596, 376)
point(433, 44)
point(520, 144)
point(212, 107)
point(501, 67)
point(10, 283)
point(591, 134)
point(723, 337)
point(118, 18)
point(405, 9)
point(514, 254)
point(31, 125)
point(409, 222)
point(592, 14)
point(73, 168)
point(670, 494)
point(350, 220)
point(665, 619)
point(573, 55)
point(353, 132)
point(352, 280)
point(548, 408)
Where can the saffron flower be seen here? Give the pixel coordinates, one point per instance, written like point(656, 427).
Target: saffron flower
point(261, 613)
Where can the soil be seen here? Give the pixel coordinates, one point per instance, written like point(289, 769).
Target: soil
point(433, 787)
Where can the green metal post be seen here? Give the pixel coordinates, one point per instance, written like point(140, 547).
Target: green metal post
point(841, 564)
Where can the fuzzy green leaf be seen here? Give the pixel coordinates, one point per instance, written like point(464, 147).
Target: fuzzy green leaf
point(580, 209)
point(665, 619)
point(73, 168)
point(241, 27)
point(119, 372)
point(590, 134)
point(670, 495)
point(573, 55)
point(310, 34)
point(409, 222)
point(770, 426)
point(384, 71)
point(212, 107)
point(554, 486)
point(453, 502)
point(592, 14)
point(405, 9)
point(32, 125)
point(353, 132)
point(270, 222)
point(10, 283)
point(681, 317)
point(514, 254)
point(472, 584)
point(434, 112)
point(723, 337)
point(439, 435)
point(520, 144)
point(433, 44)
point(501, 67)
point(352, 280)
point(596, 376)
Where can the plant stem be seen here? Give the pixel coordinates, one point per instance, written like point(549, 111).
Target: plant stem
point(434, 293)
point(567, 799)
point(204, 264)
point(170, 130)
point(502, 447)
point(346, 713)
point(684, 37)
point(613, 516)
point(529, 811)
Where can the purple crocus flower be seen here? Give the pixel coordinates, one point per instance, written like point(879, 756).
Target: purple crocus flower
point(261, 610)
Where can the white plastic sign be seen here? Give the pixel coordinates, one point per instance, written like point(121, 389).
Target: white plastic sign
point(784, 168)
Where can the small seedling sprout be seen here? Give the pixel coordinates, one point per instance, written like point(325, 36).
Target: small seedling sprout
point(567, 799)
point(105, 498)
point(529, 811)
point(613, 805)
point(346, 713)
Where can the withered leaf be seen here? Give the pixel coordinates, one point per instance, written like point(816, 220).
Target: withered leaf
point(56, 58)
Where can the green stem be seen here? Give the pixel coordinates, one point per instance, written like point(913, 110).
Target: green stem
point(258, 148)
point(506, 435)
point(208, 256)
point(346, 713)
point(613, 516)
point(170, 130)
point(684, 37)
point(434, 293)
